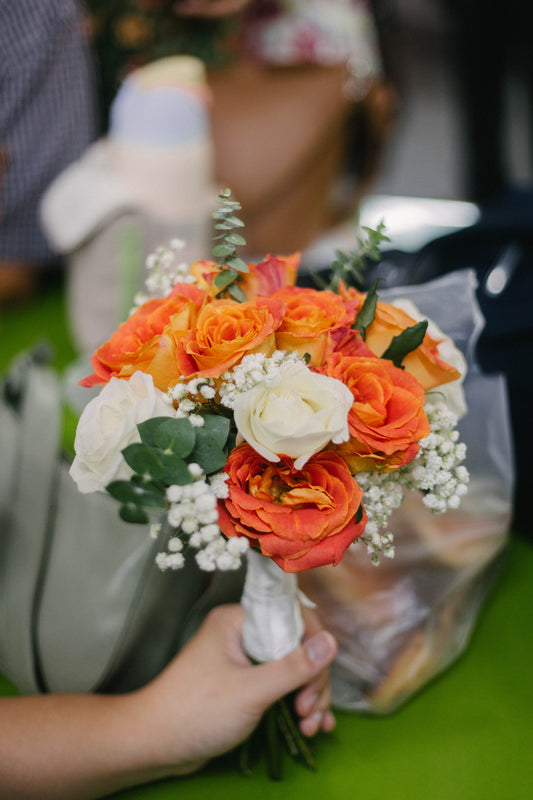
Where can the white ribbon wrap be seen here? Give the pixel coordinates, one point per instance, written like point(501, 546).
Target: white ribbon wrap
point(273, 625)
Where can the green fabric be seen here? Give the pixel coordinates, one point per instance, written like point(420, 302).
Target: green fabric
point(467, 736)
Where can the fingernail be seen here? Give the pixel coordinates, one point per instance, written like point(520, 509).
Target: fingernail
point(310, 700)
point(320, 648)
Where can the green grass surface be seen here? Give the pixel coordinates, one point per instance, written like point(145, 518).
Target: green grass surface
point(466, 736)
point(42, 318)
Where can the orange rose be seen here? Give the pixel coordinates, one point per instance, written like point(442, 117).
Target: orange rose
point(271, 274)
point(387, 419)
point(301, 519)
point(424, 362)
point(262, 280)
point(133, 346)
point(312, 320)
point(225, 332)
point(204, 273)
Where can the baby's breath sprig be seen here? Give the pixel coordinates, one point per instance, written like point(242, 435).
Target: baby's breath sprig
point(225, 253)
point(164, 268)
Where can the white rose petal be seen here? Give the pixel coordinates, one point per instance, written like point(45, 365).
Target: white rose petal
point(108, 424)
point(295, 417)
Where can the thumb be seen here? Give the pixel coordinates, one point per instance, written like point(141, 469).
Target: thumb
point(275, 679)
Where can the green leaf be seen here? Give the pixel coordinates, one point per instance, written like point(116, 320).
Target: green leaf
point(175, 470)
point(175, 436)
point(235, 222)
point(132, 513)
point(210, 441)
point(235, 238)
point(142, 458)
point(238, 264)
point(237, 293)
point(232, 205)
point(223, 250)
point(224, 278)
point(407, 341)
point(129, 493)
point(367, 312)
point(209, 455)
point(216, 426)
point(148, 428)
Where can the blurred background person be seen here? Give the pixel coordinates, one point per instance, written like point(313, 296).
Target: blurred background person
point(47, 119)
point(300, 102)
point(287, 103)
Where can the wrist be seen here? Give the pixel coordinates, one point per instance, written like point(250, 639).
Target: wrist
point(159, 734)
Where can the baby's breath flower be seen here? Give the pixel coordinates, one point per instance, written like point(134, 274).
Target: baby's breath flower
point(253, 369)
point(174, 493)
point(207, 392)
point(155, 529)
point(195, 470)
point(175, 545)
point(219, 485)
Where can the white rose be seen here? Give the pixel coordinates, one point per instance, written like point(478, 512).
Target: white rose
point(108, 424)
point(296, 416)
point(453, 393)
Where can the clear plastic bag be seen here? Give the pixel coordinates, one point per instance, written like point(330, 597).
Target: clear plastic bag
point(401, 623)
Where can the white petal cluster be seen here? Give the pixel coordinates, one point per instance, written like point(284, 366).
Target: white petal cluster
point(188, 397)
point(437, 469)
point(164, 270)
point(193, 514)
point(252, 370)
point(382, 495)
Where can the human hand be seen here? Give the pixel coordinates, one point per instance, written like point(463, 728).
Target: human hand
point(209, 8)
point(210, 698)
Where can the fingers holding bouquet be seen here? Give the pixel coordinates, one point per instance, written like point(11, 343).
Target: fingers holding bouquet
point(275, 423)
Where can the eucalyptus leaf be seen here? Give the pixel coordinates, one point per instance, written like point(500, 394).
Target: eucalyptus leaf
point(148, 428)
point(209, 456)
point(175, 436)
point(128, 493)
point(142, 458)
point(175, 470)
point(223, 250)
point(133, 513)
point(238, 264)
point(224, 278)
point(237, 293)
point(235, 239)
point(406, 341)
point(235, 222)
point(215, 426)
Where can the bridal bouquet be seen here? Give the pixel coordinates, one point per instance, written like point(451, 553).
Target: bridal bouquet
point(244, 416)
